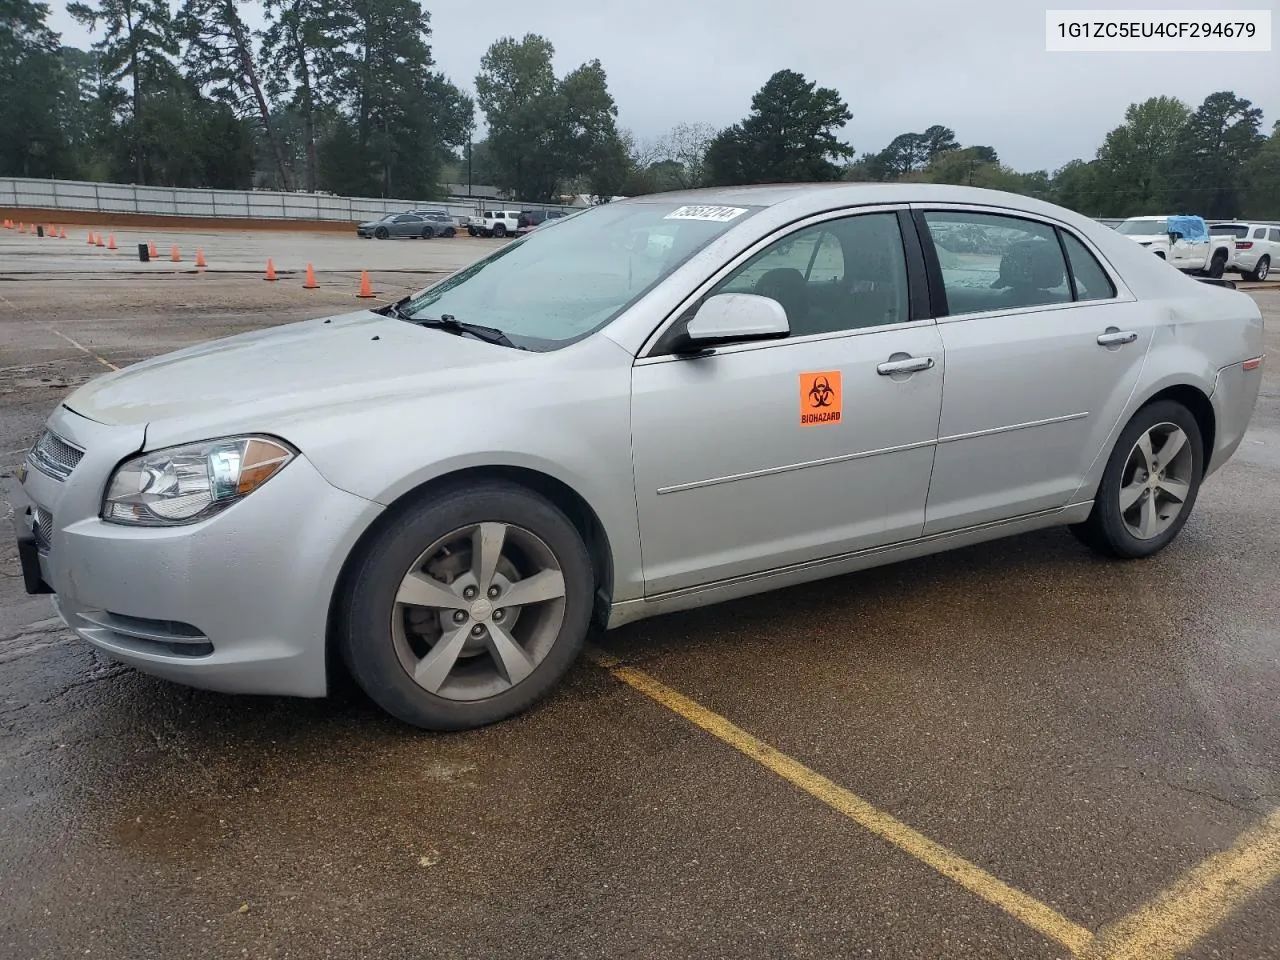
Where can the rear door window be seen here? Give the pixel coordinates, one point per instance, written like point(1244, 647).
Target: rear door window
point(995, 262)
point(1275, 234)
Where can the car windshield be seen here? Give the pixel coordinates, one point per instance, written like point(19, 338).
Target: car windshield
point(551, 288)
point(1143, 227)
point(1238, 230)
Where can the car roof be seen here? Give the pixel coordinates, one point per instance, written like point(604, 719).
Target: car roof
point(804, 199)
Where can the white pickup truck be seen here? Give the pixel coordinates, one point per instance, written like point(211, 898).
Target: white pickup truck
point(495, 223)
point(1183, 241)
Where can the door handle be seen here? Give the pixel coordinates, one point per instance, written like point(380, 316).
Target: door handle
point(905, 365)
point(1113, 338)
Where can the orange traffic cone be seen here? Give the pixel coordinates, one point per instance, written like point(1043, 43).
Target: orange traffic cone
point(8, 224)
point(200, 258)
point(62, 233)
point(310, 283)
point(22, 227)
point(111, 242)
point(152, 252)
point(97, 241)
point(366, 291)
point(271, 271)
point(90, 240)
point(173, 255)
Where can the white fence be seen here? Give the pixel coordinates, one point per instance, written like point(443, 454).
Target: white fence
point(91, 197)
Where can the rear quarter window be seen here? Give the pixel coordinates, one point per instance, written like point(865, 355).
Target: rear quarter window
point(1092, 282)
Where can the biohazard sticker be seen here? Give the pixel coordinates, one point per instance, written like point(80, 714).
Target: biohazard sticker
point(820, 399)
point(714, 214)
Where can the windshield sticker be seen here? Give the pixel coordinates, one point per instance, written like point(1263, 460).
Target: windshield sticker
point(820, 399)
point(713, 214)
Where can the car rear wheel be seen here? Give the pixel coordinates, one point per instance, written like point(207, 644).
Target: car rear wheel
point(1150, 483)
point(1218, 265)
point(1260, 272)
point(427, 233)
point(382, 233)
point(468, 608)
point(500, 231)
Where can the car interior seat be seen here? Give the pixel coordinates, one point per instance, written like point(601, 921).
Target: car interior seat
point(1030, 269)
point(787, 285)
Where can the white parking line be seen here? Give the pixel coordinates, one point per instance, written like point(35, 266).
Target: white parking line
point(106, 363)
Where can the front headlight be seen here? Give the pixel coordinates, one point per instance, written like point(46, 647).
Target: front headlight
point(189, 483)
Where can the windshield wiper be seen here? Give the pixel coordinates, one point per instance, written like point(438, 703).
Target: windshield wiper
point(446, 321)
point(449, 323)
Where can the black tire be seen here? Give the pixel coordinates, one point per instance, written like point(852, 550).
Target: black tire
point(427, 233)
point(471, 231)
point(450, 232)
point(364, 628)
point(382, 233)
point(1105, 530)
point(500, 231)
point(1260, 272)
point(1218, 265)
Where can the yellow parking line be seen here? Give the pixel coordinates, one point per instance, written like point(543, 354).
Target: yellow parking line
point(973, 878)
point(1195, 905)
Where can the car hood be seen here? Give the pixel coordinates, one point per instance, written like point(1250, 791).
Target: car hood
point(372, 223)
point(299, 369)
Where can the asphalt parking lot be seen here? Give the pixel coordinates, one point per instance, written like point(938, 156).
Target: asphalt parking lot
point(1012, 751)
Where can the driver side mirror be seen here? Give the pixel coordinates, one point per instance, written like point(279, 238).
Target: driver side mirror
point(1175, 235)
point(733, 318)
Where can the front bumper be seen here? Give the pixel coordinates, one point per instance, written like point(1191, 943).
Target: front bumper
point(237, 603)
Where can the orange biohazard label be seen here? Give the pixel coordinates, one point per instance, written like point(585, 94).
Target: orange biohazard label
point(820, 398)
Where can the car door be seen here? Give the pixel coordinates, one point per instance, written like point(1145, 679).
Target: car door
point(761, 455)
point(1041, 360)
point(407, 225)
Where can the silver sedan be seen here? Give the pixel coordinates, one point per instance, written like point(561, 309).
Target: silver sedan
point(691, 398)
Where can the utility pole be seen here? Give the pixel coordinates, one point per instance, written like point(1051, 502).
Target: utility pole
point(468, 165)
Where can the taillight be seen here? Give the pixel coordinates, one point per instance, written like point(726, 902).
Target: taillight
point(1245, 245)
point(1253, 364)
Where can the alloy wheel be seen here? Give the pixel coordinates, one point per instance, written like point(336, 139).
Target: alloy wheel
point(1156, 481)
point(478, 611)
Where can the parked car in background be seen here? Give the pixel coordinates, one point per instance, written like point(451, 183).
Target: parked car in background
point(442, 222)
point(1257, 247)
point(448, 492)
point(495, 223)
point(433, 224)
point(532, 219)
point(1182, 241)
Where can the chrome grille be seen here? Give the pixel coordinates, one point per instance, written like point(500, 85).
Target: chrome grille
point(43, 528)
point(53, 456)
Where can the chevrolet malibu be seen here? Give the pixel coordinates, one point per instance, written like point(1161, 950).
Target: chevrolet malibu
point(689, 398)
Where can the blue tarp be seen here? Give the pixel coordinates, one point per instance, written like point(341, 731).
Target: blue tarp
point(1192, 228)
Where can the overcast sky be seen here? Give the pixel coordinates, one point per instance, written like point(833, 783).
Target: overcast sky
point(979, 68)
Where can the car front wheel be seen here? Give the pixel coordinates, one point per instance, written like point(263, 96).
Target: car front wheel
point(1150, 483)
point(1218, 265)
point(468, 608)
point(382, 233)
point(500, 231)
